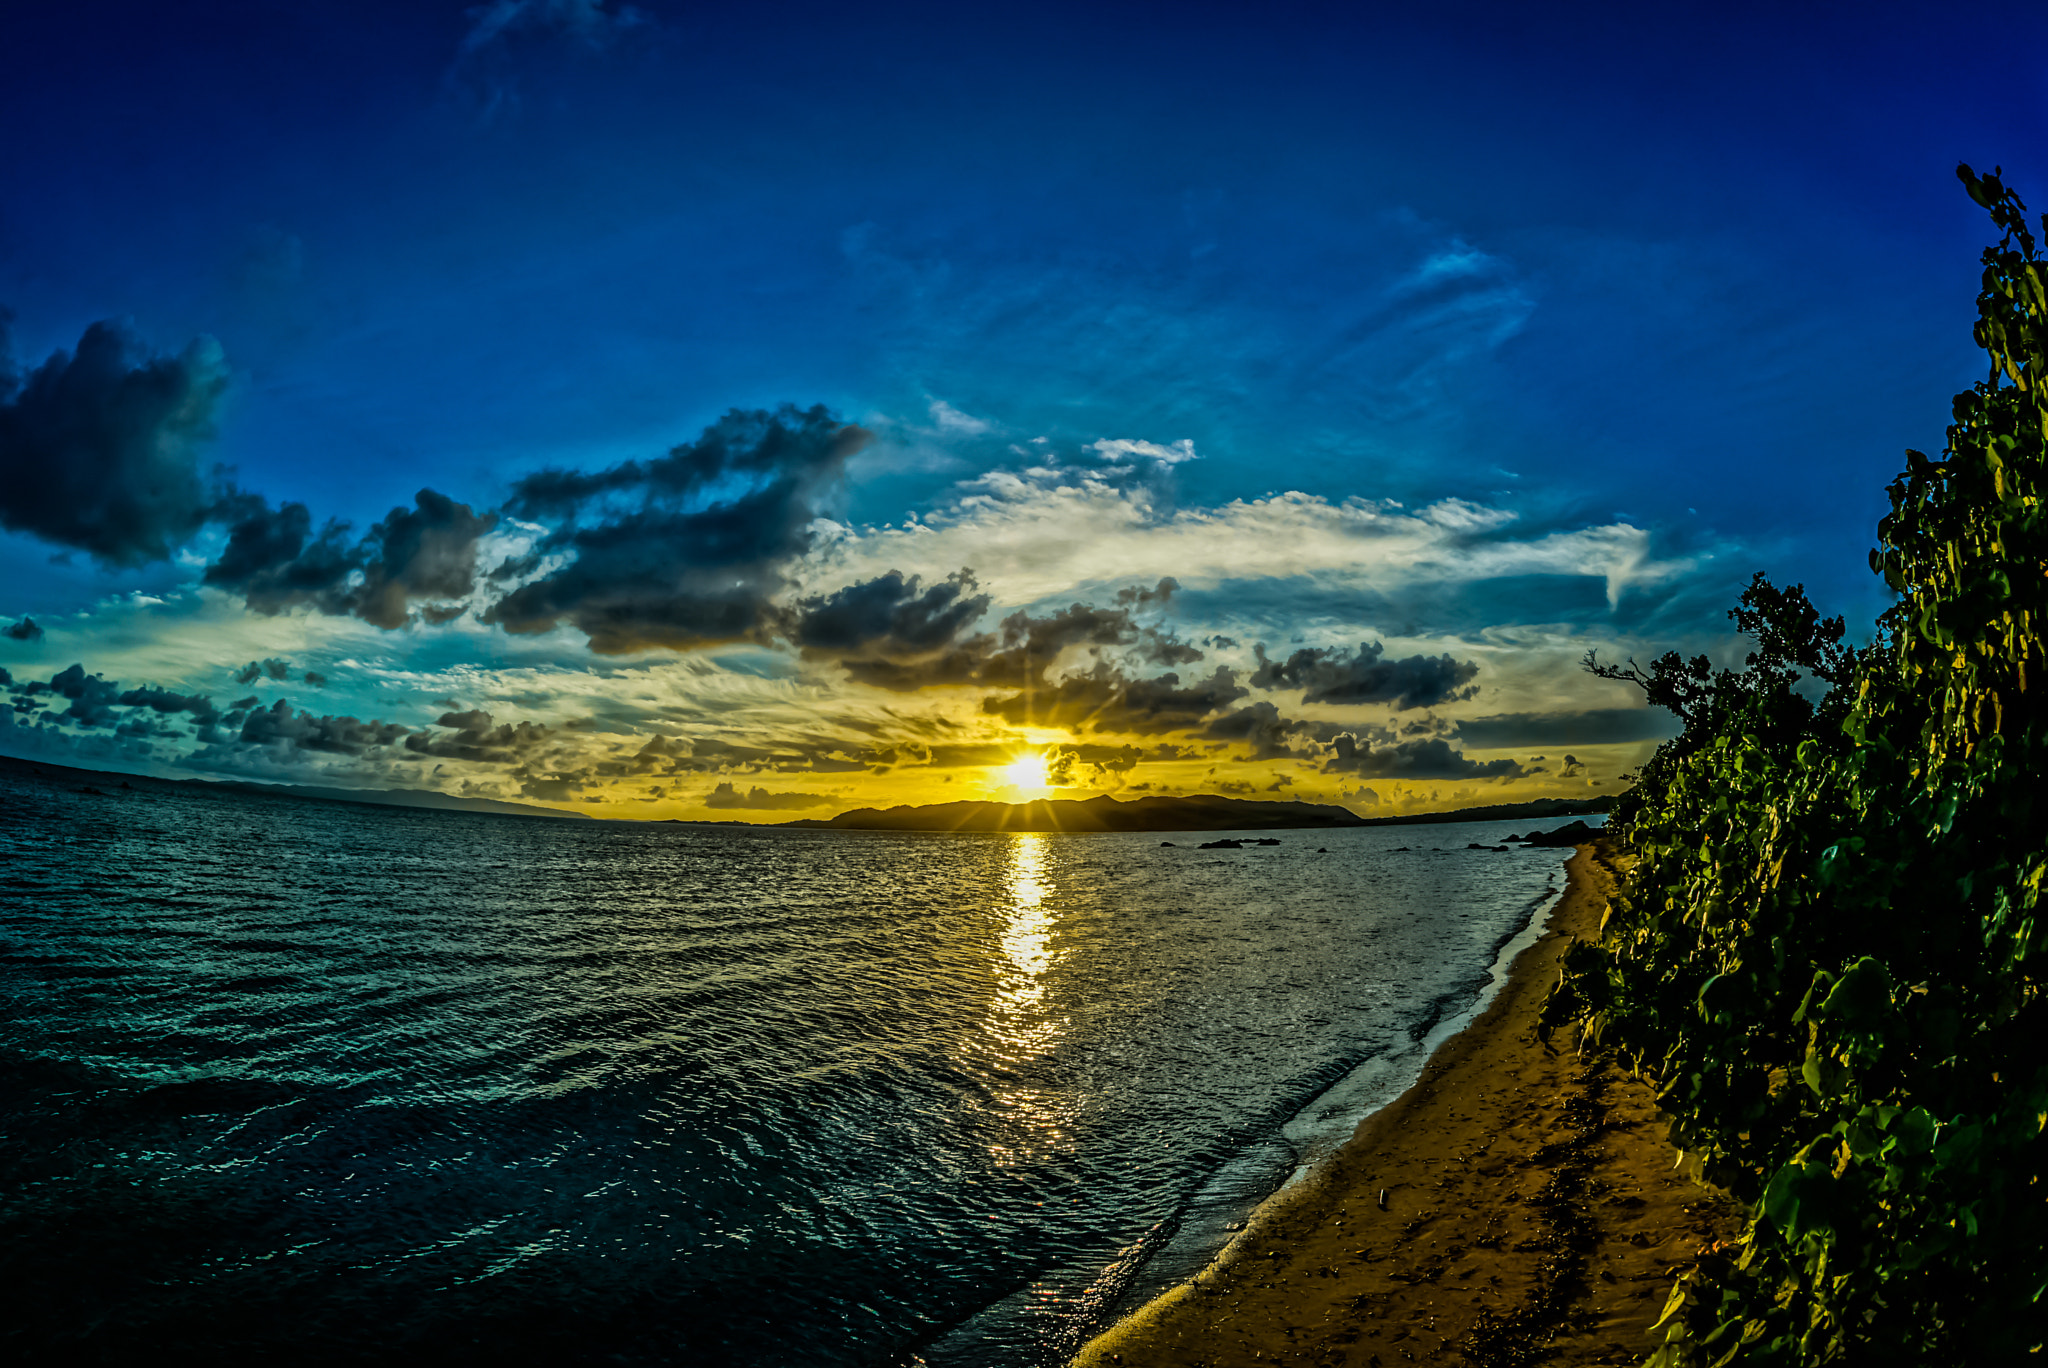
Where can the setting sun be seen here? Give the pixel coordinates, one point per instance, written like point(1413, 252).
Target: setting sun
point(1026, 772)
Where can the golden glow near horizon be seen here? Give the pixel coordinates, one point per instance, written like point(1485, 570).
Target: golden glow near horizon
point(1022, 1024)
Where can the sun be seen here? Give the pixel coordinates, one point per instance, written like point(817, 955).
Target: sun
point(1026, 772)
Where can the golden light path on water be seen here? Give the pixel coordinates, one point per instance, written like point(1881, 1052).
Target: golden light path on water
point(1024, 1020)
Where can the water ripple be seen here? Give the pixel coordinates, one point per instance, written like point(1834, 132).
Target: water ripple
point(353, 1083)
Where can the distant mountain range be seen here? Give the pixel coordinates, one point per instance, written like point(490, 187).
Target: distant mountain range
point(112, 784)
point(1203, 812)
point(1539, 809)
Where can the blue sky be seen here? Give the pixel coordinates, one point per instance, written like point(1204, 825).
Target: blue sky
point(1583, 317)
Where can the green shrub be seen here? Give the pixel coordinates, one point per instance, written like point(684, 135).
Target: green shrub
point(1829, 956)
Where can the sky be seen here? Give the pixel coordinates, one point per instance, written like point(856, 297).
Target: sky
point(751, 412)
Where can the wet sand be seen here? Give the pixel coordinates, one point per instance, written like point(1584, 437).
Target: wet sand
point(1516, 1206)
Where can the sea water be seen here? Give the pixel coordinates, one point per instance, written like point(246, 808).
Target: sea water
point(302, 1081)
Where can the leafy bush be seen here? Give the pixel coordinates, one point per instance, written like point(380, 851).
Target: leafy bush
point(1829, 956)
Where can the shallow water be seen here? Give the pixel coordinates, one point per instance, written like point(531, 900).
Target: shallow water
point(358, 1083)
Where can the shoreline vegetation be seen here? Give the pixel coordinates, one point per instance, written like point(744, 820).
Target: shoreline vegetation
point(1831, 952)
point(1828, 950)
point(1519, 1204)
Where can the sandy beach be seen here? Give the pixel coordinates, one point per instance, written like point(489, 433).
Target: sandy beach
point(1517, 1205)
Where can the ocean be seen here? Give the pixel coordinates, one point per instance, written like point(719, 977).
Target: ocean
point(318, 1082)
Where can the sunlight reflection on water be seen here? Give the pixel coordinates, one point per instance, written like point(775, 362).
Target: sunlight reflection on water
point(1024, 1024)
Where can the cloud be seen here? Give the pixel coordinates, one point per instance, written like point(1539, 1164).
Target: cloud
point(1088, 765)
point(166, 701)
point(1593, 727)
point(688, 550)
point(892, 633)
point(1104, 700)
point(92, 696)
point(726, 796)
point(1261, 725)
point(271, 667)
point(1330, 676)
point(282, 728)
point(427, 552)
point(24, 630)
point(891, 616)
point(1119, 449)
point(1430, 759)
point(1573, 766)
point(476, 738)
point(952, 420)
point(99, 448)
point(1038, 533)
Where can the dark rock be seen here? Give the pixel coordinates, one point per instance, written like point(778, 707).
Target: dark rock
point(1226, 843)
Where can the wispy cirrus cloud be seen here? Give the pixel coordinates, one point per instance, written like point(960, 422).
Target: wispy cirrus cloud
point(1036, 533)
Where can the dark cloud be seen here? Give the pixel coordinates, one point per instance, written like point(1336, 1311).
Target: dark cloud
point(1260, 724)
point(275, 560)
point(270, 667)
point(1136, 598)
point(1104, 700)
point(99, 449)
point(165, 701)
point(874, 650)
point(1331, 676)
point(687, 550)
point(1431, 759)
point(92, 697)
point(962, 755)
point(559, 786)
point(316, 679)
point(1593, 727)
point(1573, 766)
point(726, 796)
point(280, 726)
point(24, 630)
point(426, 552)
point(473, 736)
point(890, 616)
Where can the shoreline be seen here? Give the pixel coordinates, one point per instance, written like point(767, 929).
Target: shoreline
point(1531, 1211)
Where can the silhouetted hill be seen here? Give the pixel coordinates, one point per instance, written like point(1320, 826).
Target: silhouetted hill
point(1541, 809)
point(113, 783)
point(1203, 812)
